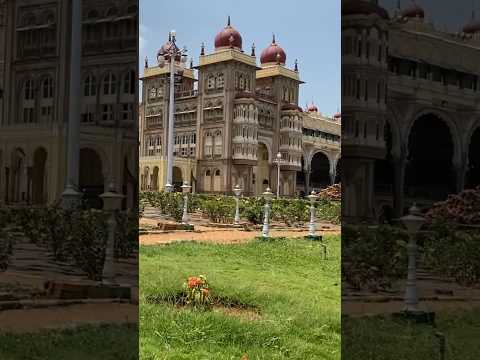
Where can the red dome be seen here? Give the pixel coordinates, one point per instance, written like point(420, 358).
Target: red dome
point(362, 7)
point(228, 37)
point(273, 54)
point(473, 26)
point(312, 108)
point(413, 11)
point(337, 115)
point(164, 51)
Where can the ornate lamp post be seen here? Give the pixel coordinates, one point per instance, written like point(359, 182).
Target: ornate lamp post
point(185, 189)
point(311, 225)
point(111, 203)
point(170, 54)
point(278, 160)
point(237, 190)
point(413, 222)
point(268, 196)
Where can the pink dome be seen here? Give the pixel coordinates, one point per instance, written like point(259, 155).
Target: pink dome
point(228, 37)
point(273, 54)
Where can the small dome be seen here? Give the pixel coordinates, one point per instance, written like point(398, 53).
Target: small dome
point(337, 115)
point(228, 37)
point(362, 7)
point(312, 108)
point(164, 51)
point(413, 11)
point(273, 54)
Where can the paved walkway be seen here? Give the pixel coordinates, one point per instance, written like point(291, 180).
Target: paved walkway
point(435, 294)
point(33, 320)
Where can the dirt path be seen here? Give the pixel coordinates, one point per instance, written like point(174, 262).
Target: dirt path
point(218, 236)
point(33, 320)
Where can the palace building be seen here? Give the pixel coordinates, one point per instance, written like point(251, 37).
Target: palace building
point(35, 47)
point(411, 110)
point(232, 117)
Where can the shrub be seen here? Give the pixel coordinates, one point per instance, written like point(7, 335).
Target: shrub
point(453, 251)
point(373, 257)
point(219, 209)
point(89, 234)
point(126, 234)
point(6, 241)
point(462, 208)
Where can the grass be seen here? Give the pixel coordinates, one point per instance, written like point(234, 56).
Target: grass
point(106, 342)
point(296, 291)
point(383, 338)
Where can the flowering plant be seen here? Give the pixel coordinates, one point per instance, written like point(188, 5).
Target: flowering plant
point(198, 292)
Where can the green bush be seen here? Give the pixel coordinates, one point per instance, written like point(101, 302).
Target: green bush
point(6, 241)
point(219, 209)
point(453, 251)
point(126, 234)
point(373, 257)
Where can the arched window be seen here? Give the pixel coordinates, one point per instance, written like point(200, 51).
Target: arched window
point(47, 88)
point(90, 86)
point(208, 173)
point(208, 147)
point(218, 143)
point(109, 84)
point(217, 172)
point(220, 81)
point(28, 90)
point(129, 83)
point(211, 82)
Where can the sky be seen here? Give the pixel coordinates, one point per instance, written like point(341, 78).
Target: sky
point(308, 30)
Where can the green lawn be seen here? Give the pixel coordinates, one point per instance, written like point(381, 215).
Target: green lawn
point(295, 290)
point(382, 338)
point(89, 342)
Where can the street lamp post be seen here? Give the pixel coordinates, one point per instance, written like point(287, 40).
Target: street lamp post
point(267, 195)
point(237, 190)
point(278, 160)
point(170, 53)
point(413, 222)
point(111, 203)
point(311, 226)
point(185, 189)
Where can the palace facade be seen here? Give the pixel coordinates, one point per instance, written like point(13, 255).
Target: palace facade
point(411, 110)
point(232, 117)
point(35, 48)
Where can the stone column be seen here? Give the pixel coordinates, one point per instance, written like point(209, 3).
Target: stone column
point(307, 173)
point(399, 167)
point(460, 170)
point(71, 195)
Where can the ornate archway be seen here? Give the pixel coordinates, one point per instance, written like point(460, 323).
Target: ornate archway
point(91, 178)
point(429, 172)
point(320, 171)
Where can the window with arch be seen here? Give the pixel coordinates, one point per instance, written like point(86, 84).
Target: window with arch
point(211, 82)
point(208, 147)
point(220, 81)
point(29, 90)
point(47, 88)
point(109, 84)
point(241, 82)
point(90, 86)
point(217, 172)
point(218, 144)
point(129, 83)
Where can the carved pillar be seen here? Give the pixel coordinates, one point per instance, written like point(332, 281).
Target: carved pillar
point(460, 170)
point(307, 181)
point(399, 166)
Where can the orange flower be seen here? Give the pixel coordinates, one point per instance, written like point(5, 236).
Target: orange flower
point(194, 281)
